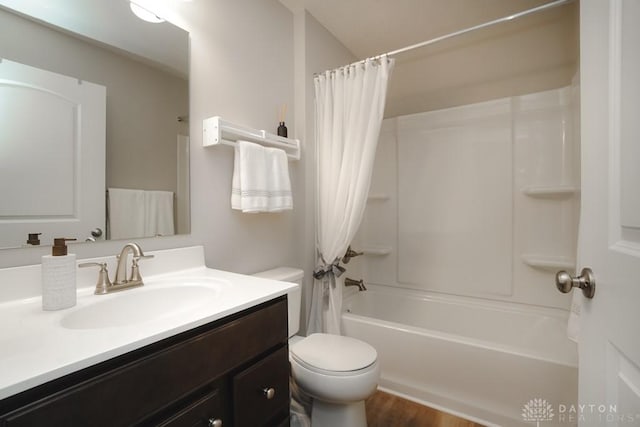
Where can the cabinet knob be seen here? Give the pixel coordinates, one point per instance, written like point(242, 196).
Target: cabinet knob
point(217, 422)
point(269, 392)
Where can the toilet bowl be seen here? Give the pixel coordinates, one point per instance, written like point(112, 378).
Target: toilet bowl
point(338, 372)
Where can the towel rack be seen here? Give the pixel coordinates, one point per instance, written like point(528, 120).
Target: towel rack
point(216, 130)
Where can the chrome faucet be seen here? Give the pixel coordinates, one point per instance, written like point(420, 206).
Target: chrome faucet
point(358, 283)
point(104, 285)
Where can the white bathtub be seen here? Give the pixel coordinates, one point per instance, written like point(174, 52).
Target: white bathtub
point(482, 360)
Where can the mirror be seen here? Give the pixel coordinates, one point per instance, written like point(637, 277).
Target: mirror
point(139, 182)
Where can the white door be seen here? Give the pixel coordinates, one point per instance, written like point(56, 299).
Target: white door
point(52, 155)
point(609, 347)
point(182, 192)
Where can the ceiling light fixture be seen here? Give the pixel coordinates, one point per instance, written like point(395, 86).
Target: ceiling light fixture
point(144, 14)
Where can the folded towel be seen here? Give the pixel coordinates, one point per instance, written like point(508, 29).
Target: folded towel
point(260, 179)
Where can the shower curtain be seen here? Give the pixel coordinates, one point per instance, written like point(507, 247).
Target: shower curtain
point(349, 110)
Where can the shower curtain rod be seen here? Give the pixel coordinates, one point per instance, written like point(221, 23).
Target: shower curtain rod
point(461, 32)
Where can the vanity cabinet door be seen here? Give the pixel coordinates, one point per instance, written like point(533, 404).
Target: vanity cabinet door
point(261, 392)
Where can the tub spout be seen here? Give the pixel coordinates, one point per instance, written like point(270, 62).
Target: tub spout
point(358, 283)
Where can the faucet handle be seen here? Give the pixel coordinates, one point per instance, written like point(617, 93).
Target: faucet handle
point(103, 284)
point(350, 254)
point(135, 270)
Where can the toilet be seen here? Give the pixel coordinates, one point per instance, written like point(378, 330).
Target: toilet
point(338, 372)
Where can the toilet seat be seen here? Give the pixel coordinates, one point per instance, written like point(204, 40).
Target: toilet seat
point(334, 354)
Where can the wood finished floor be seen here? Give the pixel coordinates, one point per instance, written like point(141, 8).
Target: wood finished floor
point(387, 410)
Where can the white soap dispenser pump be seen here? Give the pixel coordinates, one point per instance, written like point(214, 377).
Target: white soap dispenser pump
point(58, 277)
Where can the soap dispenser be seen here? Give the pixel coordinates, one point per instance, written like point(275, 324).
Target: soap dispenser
point(58, 277)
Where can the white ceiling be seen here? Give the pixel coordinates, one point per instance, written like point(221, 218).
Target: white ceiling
point(371, 27)
point(530, 54)
point(111, 23)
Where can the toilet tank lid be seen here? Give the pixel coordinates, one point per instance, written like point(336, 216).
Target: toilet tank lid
point(285, 274)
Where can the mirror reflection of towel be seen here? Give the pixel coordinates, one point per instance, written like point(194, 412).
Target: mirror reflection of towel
point(140, 213)
point(158, 213)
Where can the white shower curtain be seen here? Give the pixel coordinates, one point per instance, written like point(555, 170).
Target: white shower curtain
point(349, 110)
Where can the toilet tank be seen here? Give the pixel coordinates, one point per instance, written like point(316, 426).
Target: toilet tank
point(294, 296)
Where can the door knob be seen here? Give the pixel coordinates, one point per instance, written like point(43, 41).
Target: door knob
point(585, 281)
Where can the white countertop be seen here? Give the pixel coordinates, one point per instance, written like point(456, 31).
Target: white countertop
point(35, 347)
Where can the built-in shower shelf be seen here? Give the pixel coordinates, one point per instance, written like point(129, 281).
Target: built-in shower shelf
point(550, 191)
point(380, 197)
point(376, 250)
point(547, 262)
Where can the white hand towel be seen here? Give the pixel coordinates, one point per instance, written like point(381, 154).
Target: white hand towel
point(280, 197)
point(158, 213)
point(126, 213)
point(260, 179)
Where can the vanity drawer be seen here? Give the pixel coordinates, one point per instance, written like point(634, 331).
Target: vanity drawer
point(252, 407)
point(203, 412)
point(152, 380)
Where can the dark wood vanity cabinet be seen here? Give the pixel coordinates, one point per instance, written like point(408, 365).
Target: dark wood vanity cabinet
point(231, 372)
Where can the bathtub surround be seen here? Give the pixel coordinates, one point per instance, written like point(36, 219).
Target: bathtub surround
point(485, 194)
point(349, 108)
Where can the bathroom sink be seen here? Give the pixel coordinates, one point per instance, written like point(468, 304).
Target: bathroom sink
point(158, 299)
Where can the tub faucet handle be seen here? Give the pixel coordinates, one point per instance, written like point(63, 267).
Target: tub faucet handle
point(350, 254)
